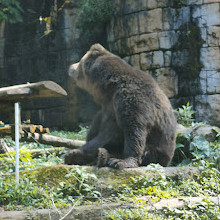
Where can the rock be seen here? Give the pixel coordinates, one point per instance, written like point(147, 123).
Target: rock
point(208, 108)
point(95, 212)
point(167, 80)
point(208, 131)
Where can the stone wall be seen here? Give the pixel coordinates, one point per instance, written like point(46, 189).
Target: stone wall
point(178, 43)
point(29, 53)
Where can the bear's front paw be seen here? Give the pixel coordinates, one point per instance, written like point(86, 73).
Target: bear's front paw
point(103, 157)
point(74, 157)
point(122, 163)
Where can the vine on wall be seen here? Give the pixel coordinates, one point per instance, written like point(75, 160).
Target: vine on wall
point(10, 10)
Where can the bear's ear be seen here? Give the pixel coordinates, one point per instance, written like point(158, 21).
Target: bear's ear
point(97, 50)
point(95, 53)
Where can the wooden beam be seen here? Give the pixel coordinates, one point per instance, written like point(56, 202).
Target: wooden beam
point(44, 89)
point(52, 140)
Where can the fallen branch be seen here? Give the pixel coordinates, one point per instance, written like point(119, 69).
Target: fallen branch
point(52, 140)
point(5, 149)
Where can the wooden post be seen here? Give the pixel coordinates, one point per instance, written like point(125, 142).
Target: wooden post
point(17, 122)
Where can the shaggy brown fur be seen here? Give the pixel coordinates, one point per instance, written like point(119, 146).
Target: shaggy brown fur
point(135, 125)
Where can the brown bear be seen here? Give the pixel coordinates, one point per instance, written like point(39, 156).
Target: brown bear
point(135, 126)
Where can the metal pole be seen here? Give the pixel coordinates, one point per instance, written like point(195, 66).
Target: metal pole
point(17, 113)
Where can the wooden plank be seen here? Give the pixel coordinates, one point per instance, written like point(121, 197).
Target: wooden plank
point(44, 89)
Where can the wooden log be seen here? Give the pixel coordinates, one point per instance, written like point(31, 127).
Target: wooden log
point(44, 89)
point(29, 128)
point(5, 130)
point(36, 152)
point(8, 130)
point(52, 140)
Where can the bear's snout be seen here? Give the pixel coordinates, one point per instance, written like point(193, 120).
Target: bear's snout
point(72, 70)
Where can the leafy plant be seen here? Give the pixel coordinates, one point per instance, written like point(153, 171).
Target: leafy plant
point(10, 10)
point(92, 19)
point(78, 183)
point(186, 115)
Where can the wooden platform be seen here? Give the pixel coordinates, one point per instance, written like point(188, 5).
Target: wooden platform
point(44, 89)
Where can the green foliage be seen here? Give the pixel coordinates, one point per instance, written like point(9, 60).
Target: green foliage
point(78, 183)
point(200, 210)
point(10, 10)
point(59, 186)
point(128, 214)
point(186, 115)
point(32, 193)
point(178, 3)
point(194, 149)
point(92, 19)
point(24, 194)
point(80, 135)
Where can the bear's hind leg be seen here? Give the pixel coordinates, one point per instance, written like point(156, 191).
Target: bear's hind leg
point(154, 156)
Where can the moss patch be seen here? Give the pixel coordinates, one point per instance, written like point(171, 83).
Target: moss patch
point(50, 176)
point(190, 40)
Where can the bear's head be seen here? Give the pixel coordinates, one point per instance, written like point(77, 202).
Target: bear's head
point(80, 71)
point(89, 69)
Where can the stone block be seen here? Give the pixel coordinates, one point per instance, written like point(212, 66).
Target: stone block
point(131, 6)
point(203, 81)
point(173, 19)
point(2, 28)
point(135, 61)
point(210, 58)
point(167, 39)
point(143, 43)
point(182, 17)
point(213, 36)
point(167, 58)
point(152, 4)
point(180, 58)
point(158, 59)
point(130, 25)
point(209, 1)
point(206, 15)
point(194, 2)
point(146, 60)
point(1, 62)
point(168, 15)
point(119, 31)
point(150, 21)
point(2, 46)
point(168, 81)
point(213, 82)
point(208, 108)
point(203, 32)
